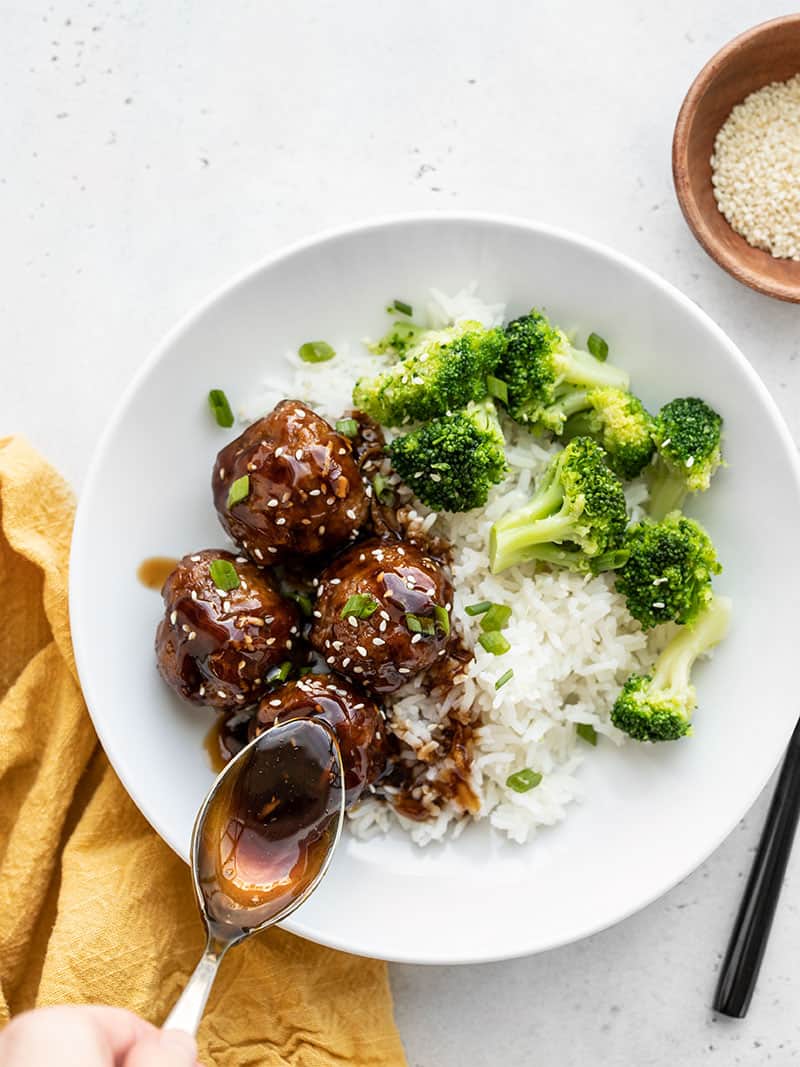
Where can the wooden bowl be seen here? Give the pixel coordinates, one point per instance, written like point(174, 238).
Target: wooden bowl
point(767, 53)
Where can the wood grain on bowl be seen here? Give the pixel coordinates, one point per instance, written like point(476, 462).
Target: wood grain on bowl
point(766, 53)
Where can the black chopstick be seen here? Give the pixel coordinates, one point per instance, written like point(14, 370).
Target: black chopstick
point(751, 931)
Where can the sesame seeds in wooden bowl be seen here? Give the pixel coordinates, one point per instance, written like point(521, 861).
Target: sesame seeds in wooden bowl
point(756, 158)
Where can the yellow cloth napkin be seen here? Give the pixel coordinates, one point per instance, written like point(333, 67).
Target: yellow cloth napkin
point(94, 907)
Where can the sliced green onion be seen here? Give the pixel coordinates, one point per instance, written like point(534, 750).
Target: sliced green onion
point(316, 352)
point(497, 388)
point(442, 618)
point(239, 490)
point(220, 407)
point(303, 601)
point(494, 642)
point(523, 781)
point(496, 618)
point(598, 347)
point(501, 681)
point(403, 307)
point(304, 671)
point(280, 673)
point(587, 732)
point(223, 574)
point(360, 605)
point(348, 427)
point(478, 609)
point(420, 624)
point(383, 491)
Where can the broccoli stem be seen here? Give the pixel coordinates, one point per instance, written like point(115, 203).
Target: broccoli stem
point(581, 368)
point(667, 491)
point(673, 668)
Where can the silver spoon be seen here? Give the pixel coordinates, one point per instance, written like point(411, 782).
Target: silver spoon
point(261, 843)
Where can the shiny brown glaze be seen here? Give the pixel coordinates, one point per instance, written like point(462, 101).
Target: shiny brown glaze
point(380, 651)
point(154, 571)
point(227, 735)
point(269, 827)
point(216, 647)
point(305, 495)
point(357, 721)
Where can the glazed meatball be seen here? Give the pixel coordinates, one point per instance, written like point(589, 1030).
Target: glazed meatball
point(356, 720)
point(382, 613)
point(289, 486)
point(216, 646)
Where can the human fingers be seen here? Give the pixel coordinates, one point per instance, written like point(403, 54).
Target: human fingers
point(165, 1048)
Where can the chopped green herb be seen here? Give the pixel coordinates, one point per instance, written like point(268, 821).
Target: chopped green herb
point(497, 388)
point(359, 605)
point(280, 673)
point(496, 618)
point(403, 307)
point(315, 352)
point(478, 609)
point(501, 681)
point(420, 624)
point(442, 619)
point(523, 781)
point(598, 347)
point(348, 427)
point(303, 601)
point(304, 671)
point(223, 574)
point(220, 407)
point(383, 491)
point(239, 490)
point(587, 732)
point(494, 642)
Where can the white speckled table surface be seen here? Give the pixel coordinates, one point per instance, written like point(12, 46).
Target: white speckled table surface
point(155, 149)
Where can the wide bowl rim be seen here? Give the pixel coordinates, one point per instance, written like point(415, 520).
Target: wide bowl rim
point(189, 319)
point(694, 216)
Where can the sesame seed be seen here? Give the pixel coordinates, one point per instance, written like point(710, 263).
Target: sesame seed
point(221, 694)
point(416, 639)
point(306, 522)
point(330, 659)
point(337, 645)
point(258, 553)
point(298, 454)
point(317, 614)
point(272, 550)
point(194, 559)
point(300, 413)
point(345, 661)
point(173, 617)
point(314, 492)
point(353, 621)
point(321, 530)
point(201, 692)
point(270, 640)
point(659, 604)
point(350, 513)
point(361, 650)
point(382, 626)
point(342, 451)
point(378, 641)
point(221, 473)
point(362, 558)
point(403, 670)
point(273, 503)
point(275, 703)
point(251, 466)
point(331, 500)
point(279, 451)
point(226, 605)
point(239, 698)
point(690, 461)
point(185, 628)
point(334, 581)
point(241, 559)
point(358, 670)
point(192, 635)
point(288, 642)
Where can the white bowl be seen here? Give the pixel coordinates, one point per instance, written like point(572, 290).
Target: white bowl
point(651, 814)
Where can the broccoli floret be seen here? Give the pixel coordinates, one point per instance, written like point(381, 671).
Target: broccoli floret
point(451, 462)
point(401, 335)
point(444, 370)
point(576, 517)
point(687, 435)
point(543, 371)
point(667, 577)
point(659, 706)
point(618, 421)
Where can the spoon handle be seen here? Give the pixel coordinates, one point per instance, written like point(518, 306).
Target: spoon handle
point(190, 1005)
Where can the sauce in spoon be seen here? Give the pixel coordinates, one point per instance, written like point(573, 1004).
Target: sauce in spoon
point(269, 829)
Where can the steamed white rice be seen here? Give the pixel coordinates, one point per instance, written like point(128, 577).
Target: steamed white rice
point(573, 642)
